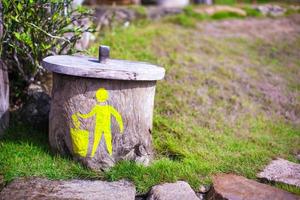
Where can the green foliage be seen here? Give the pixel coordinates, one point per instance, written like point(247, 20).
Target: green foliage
point(189, 11)
point(225, 15)
point(251, 12)
point(37, 28)
point(291, 11)
point(140, 10)
point(188, 18)
point(227, 2)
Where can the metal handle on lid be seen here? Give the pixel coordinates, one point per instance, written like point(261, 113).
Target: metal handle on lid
point(103, 53)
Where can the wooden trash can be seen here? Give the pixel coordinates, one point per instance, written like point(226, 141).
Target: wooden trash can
point(101, 109)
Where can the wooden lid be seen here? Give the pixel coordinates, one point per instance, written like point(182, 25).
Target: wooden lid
point(104, 68)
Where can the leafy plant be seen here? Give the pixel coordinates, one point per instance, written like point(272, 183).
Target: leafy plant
point(34, 29)
point(225, 14)
point(252, 12)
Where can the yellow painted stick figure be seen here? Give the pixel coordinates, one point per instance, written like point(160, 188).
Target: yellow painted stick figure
point(103, 121)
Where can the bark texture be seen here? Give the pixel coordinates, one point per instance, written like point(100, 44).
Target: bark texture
point(134, 100)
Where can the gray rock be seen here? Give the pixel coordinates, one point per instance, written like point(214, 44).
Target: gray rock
point(233, 187)
point(283, 171)
point(4, 87)
point(200, 196)
point(204, 188)
point(4, 97)
point(160, 12)
point(172, 191)
point(37, 107)
point(110, 16)
point(37, 188)
point(272, 10)
point(173, 3)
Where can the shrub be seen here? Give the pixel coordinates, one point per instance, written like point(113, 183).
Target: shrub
point(189, 11)
point(252, 12)
point(34, 29)
point(188, 18)
point(225, 14)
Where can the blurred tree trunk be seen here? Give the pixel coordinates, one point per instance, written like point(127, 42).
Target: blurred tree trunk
point(4, 86)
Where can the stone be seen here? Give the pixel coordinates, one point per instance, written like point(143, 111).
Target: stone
point(200, 196)
point(157, 12)
point(36, 108)
point(233, 187)
point(172, 191)
point(4, 87)
point(204, 189)
point(298, 157)
point(38, 188)
point(109, 16)
point(271, 10)
point(173, 3)
point(4, 98)
point(283, 171)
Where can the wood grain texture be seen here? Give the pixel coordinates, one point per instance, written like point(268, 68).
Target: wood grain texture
point(134, 100)
point(111, 69)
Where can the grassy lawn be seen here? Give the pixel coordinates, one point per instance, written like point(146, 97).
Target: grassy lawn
point(230, 102)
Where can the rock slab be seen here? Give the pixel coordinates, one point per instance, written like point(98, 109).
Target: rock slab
point(36, 108)
point(4, 87)
point(233, 187)
point(283, 171)
point(172, 191)
point(38, 188)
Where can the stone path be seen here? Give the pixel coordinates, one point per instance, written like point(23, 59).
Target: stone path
point(233, 187)
point(282, 171)
point(225, 186)
point(37, 188)
point(172, 191)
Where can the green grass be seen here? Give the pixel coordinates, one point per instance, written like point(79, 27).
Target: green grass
point(224, 15)
point(190, 17)
point(25, 152)
point(205, 120)
point(251, 12)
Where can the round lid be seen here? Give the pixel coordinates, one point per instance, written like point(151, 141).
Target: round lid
point(104, 67)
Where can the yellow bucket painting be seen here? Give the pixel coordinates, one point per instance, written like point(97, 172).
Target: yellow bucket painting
point(80, 138)
point(102, 113)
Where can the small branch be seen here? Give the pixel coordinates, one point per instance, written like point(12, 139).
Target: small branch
point(52, 36)
point(19, 66)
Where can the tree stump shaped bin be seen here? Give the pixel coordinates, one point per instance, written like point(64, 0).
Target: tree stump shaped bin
point(101, 110)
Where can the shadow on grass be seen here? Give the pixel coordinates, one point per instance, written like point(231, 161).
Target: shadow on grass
point(25, 151)
point(19, 132)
